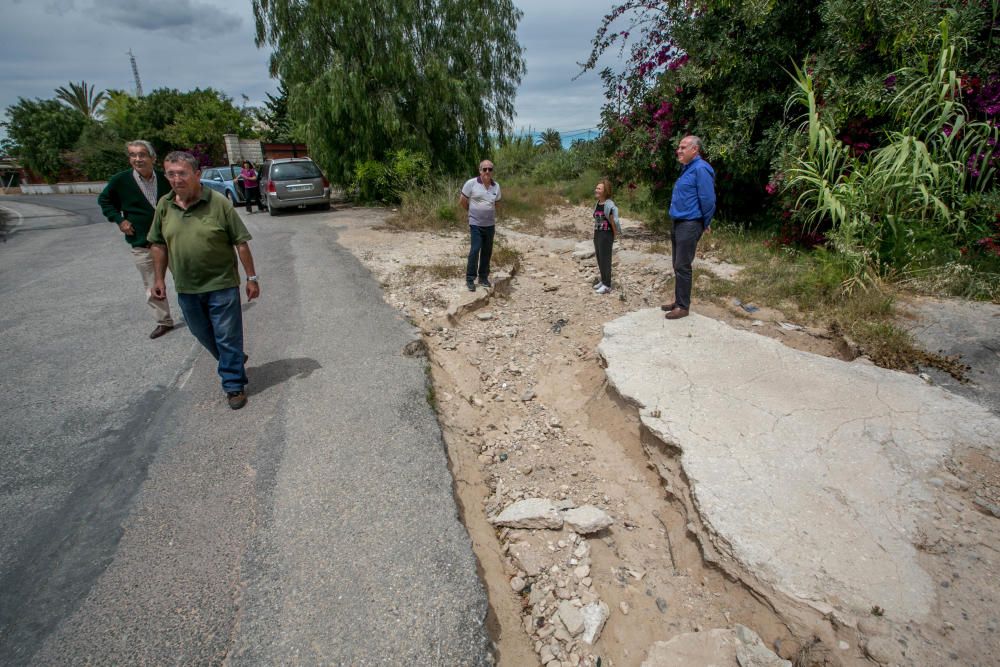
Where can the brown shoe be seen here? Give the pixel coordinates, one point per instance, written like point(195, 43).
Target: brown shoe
point(160, 330)
point(237, 399)
point(677, 313)
point(667, 307)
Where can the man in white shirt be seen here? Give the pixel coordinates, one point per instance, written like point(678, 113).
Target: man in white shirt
point(480, 197)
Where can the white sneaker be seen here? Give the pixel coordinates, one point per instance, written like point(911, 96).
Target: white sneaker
point(598, 286)
point(603, 289)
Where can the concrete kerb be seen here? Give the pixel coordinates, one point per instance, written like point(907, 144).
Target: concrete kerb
point(804, 491)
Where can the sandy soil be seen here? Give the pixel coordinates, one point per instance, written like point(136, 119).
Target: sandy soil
point(526, 412)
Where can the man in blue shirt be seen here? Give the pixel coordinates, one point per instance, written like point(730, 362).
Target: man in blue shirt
point(692, 206)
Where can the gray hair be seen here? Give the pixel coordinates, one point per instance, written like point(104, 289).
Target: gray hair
point(696, 141)
point(145, 144)
point(183, 156)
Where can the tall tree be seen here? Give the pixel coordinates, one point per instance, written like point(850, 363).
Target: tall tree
point(274, 116)
point(83, 98)
point(39, 131)
point(366, 77)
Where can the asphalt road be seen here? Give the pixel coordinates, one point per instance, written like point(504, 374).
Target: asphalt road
point(144, 522)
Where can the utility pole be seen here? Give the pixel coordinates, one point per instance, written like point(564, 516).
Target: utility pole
point(135, 74)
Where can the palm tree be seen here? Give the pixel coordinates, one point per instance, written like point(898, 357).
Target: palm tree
point(82, 98)
point(550, 141)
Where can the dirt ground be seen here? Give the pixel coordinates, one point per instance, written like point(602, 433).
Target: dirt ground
point(526, 412)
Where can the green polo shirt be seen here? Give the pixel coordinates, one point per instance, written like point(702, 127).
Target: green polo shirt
point(200, 241)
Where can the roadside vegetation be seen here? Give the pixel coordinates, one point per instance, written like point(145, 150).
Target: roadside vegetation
point(856, 154)
point(855, 146)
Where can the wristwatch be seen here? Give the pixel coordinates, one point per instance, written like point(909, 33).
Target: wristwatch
point(252, 279)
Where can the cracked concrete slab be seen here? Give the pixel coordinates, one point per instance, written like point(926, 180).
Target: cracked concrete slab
point(809, 473)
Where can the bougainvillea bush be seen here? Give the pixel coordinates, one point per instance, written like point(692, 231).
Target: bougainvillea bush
point(726, 71)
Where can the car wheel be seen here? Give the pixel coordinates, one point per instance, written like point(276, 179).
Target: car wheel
point(231, 197)
point(272, 211)
point(324, 207)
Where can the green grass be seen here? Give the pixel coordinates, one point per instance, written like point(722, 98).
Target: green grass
point(433, 208)
point(817, 288)
point(529, 203)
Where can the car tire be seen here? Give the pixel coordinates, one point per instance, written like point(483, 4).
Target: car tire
point(271, 211)
point(324, 207)
point(231, 197)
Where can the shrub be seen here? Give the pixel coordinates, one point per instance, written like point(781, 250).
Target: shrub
point(386, 181)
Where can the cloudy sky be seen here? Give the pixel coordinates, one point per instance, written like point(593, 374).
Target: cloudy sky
point(186, 44)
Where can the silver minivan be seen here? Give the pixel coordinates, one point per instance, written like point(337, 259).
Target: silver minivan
point(293, 182)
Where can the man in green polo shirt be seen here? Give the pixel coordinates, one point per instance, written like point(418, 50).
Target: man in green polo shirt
point(128, 201)
point(195, 231)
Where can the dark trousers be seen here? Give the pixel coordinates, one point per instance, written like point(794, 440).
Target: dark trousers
point(216, 320)
point(480, 252)
point(250, 195)
point(683, 243)
point(603, 241)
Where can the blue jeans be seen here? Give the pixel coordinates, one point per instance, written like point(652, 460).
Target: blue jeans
point(683, 244)
point(480, 251)
point(216, 320)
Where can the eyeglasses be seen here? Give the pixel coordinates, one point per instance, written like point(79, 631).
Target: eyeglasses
point(486, 169)
point(138, 156)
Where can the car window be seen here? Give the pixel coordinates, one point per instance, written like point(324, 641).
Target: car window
point(291, 170)
point(208, 174)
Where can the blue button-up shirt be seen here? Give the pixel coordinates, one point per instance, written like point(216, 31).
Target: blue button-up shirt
point(694, 193)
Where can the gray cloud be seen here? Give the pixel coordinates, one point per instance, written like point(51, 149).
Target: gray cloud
point(183, 19)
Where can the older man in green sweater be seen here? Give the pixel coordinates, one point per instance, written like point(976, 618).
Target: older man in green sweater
point(129, 201)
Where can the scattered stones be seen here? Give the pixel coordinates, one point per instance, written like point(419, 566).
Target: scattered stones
point(528, 395)
point(624, 606)
point(484, 316)
point(518, 584)
point(587, 519)
point(530, 513)
point(662, 605)
point(595, 615)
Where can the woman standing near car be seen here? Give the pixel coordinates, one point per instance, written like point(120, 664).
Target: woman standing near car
point(606, 226)
point(251, 189)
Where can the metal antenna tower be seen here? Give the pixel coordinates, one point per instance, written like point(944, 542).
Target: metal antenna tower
point(135, 74)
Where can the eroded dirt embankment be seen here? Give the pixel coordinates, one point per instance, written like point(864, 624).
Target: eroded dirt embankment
point(526, 412)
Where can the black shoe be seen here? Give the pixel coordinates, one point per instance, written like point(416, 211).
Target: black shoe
point(485, 282)
point(160, 330)
point(471, 286)
point(237, 399)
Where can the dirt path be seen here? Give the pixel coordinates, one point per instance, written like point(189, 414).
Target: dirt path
point(526, 413)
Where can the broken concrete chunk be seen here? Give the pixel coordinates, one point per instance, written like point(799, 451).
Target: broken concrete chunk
point(740, 646)
point(571, 617)
point(715, 647)
point(587, 519)
point(595, 615)
point(530, 513)
point(529, 559)
point(751, 651)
